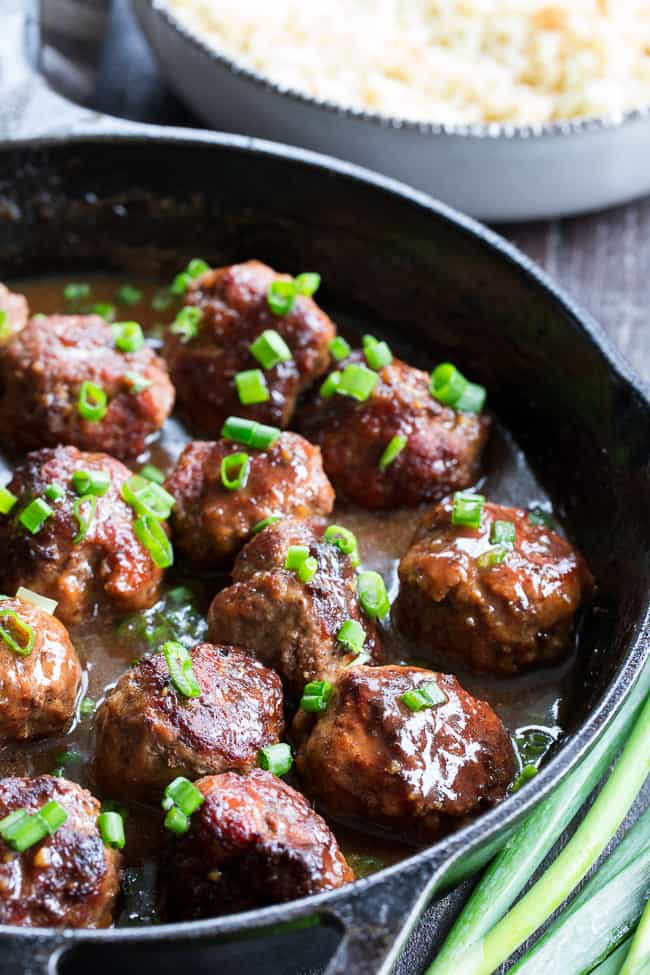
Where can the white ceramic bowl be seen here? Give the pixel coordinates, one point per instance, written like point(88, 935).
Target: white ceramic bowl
point(494, 172)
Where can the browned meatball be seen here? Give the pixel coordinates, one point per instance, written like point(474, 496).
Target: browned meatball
point(235, 312)
point(291, 625)
point(38, 692)
point(42, 370)
point(108, 566)
point(442, 450)
point(504, 618)
point(417, 771)
point(147, 734)
point(13, 313)
point(70, 879)
point(254, 841)
point(211, 523)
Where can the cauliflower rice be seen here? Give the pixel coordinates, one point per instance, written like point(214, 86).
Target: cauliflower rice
point(455, 61)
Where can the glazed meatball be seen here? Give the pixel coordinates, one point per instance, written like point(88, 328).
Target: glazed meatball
point(211, 522)
point(418, 771)
point(43, 369)
point(14, 313)
point(70, 879)
point(291, 625)
point(235, 312)
point(38, 691)
point(147, 734)
point(254, 841)
point(107, 566)
point(441, 453)
point(504, 617)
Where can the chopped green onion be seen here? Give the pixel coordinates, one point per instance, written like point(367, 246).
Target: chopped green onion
point(249, 432)
point(352, 635)
point(111, 829)
point(537, 516)
point(503, 533)
point(137, 382)
point(261, 525)
point(35, 599)
point(378, 354)
point(34, 516)
point(426, 696)
point(234, 471)
point(281, 296)
point(176, 821)
point(162, 299)
point(357, 382)
point(299, 560)
point(21, 830)
point(186, 324)
point(7, 500)
point(345, 541)
point(316, 695)
point(91, 482)
point(394, 447)
point(5, 327)
point(16, 633)
point(84, 511)
point(331, 384)
point(269, 349)
point(339, 348)
point(87, 707)
point(252, 387)
point(275, 758)
point(104, 309)
point(493, 556)
point(194, 269)
point(373, 597)
point(467, 509)
point(185, 795)
point(69, 758)
point(147, 498)
point(54, 492)
point(72, 293)
point(308, 283)
point(128, 336)
point(92, 402)
point(179, 663)
point(450, 388)
point(151, 534)
point(527, 773)
point(128, 295)
point(152, 473)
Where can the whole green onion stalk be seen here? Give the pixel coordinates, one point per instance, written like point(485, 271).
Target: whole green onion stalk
point(482, 955)
point(638, 959)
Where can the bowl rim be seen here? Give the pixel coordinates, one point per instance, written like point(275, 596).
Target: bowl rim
point(484, 130)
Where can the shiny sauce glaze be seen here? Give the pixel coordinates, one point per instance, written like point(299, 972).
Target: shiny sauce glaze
point(533, 706)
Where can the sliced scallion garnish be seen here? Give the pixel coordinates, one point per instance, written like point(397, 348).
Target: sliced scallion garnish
point(34, 516)
point(344, 540)
point(252, 387)
point(16, 633)
point(111, 829)
point(150, 533)
point(92, 403)
point(316, 695)
point(179, 663)
point(275, 758)
point(427, 696)
point(378, 354)
point(339, 348)
point(129, 336)
point(357, 382)
point(128, 295)
point(186, 324)
point(270, 349)
point(468, 509)
point(234, 471)
point(249, 432)
point(91, 482)
point(352, 636)
point(7, 501)
point(84, 511)
point(393, 449)
point(450, 388)
point(372, 593)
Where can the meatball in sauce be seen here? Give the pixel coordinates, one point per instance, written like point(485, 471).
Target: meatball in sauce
point(211, 521)
point(40, 673)
point(81, 565)
point(148, 734)
point(234, 313)
point(505, 616)
point(254, 841)
point(63, 380)
point(441, 449)
point(289, 624)
point(69, 879)
point(419, 771)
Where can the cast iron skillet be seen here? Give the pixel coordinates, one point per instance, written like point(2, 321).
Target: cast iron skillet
point(91, 191)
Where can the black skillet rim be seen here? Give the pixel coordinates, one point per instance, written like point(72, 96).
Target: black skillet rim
point(449, 849)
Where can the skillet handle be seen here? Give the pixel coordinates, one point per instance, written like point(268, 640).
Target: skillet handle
point(377, 922)
point(28, 106)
